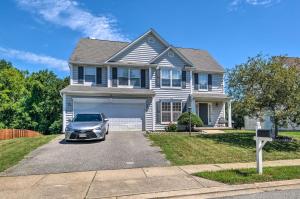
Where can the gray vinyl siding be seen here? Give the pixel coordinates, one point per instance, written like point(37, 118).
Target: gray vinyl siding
point(142, 52)
point(217, 112)
point(169, 93)
point(148, 115)
point(75, 74)
point(69, 109)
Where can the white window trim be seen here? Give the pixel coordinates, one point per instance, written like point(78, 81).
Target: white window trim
point(201, 89)
point(129, 78)
point(170, 111)
point(171, 79)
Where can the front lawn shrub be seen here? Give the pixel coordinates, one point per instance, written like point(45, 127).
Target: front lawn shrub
point(184, 119)
point(171, 127)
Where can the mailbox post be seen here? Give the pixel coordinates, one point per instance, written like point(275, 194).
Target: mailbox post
point(262, 137)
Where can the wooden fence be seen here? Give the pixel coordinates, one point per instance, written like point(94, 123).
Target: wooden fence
point(6, 134)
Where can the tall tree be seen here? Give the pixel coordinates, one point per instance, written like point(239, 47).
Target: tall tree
point(13, 94)
point(266, 85)
point(45, 103)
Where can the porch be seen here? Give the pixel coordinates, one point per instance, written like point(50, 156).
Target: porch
point(213, 109)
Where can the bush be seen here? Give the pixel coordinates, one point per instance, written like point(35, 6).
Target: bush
point(171, 127)
point(184, 119)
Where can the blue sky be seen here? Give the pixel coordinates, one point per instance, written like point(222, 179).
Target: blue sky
point(39, 34)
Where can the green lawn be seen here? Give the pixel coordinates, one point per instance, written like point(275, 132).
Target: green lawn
point(243, 176)
point(235, 146)
point(14, 150)
point(294, 134)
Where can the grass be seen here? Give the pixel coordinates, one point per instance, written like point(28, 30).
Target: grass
point(293, 134)
point(244, 176)
point(14, 150)
point(234, 146)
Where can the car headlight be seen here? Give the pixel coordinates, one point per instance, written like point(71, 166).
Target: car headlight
point(98, 128)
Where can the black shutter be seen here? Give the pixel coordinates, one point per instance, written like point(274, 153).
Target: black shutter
point(158, 120)
point(99, 76)
point(196, 81)
point(143, 78)
point(184, 106)
point(183, 79)
point(80, 74)
point(157, 79)
point(209, 82)
point(114, 77)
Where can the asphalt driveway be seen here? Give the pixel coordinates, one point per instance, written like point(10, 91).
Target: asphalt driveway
point(120, 150)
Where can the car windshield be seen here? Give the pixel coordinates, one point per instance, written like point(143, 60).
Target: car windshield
point(88, 118)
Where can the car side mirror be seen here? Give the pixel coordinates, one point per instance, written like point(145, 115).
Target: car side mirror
point(105, 120)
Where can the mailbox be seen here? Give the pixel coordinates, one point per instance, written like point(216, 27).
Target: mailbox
point(265, 133)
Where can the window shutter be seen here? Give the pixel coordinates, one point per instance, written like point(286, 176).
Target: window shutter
point(157, 79)
point(114, 77)
point(196, 81)
point(80, 74)
point(143, 78)
point(99, 76)
point(183, 79)
point(209, 82)
point(158, 114)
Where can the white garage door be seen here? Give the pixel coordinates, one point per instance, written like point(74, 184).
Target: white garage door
point(123, 115)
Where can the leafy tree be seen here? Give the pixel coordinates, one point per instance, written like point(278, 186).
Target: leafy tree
point(266, 85)
point(13, 95)
point(44, 104)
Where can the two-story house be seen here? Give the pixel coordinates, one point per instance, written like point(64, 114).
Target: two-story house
point(144, 85)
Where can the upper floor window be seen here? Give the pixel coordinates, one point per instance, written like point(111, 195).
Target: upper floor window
point(90, 75)
point(129, 77)
point(203, 81)
point(170, 78)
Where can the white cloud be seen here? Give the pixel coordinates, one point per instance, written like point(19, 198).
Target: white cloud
point(67, 13)
point(30, 57)
point(236, 4)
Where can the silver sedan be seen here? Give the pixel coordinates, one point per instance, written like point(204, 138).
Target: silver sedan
point(87, 127)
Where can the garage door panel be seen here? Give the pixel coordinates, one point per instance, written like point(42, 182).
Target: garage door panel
point(122, 116)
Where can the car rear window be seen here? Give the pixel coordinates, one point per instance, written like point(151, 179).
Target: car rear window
point(88, 118)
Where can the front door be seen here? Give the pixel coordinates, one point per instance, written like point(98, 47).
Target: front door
point(203, 112)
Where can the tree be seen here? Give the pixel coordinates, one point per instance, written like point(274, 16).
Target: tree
point(13, 94)
point(266, 85)
point(45, 103)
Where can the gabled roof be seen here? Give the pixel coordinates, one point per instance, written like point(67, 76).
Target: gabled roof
point(98, 52)
point(174, 50)
point(151, 31)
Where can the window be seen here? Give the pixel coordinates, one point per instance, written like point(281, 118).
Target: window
point(87, 118)
point(203, 81)
point(170, 111)
point(135, 77)
point(166, 112)
point(170, 78)
point(90, 74)
point(129, 77)
point(123, 76)
point(166, 77)
point(176, 108)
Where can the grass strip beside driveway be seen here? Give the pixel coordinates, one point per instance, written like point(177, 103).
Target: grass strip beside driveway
point(14, 150)
point(182, 149)
point(245, 176)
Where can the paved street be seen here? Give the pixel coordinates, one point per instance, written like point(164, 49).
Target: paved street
point(120, 150)
point(283, 194)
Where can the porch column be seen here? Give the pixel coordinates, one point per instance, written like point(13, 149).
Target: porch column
point(108, 77)
point(64, 113)
point(229, 114)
